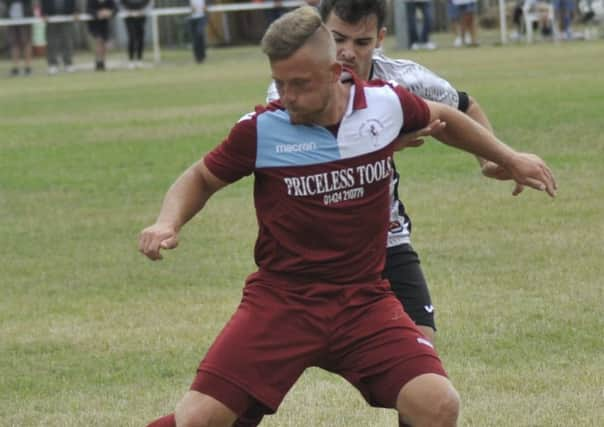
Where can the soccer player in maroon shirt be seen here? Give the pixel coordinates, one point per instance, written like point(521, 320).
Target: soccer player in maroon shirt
point(322, 162)
point(359, 32)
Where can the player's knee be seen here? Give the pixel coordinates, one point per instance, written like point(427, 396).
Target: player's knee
point(195, 418)
point(446, 408)
point(429, 400)
point(197, 410)
point(190, 416)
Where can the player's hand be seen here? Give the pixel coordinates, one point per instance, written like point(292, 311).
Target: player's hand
point(414, 139)
point(494, 171)
point(156, 237)
point(530, 170)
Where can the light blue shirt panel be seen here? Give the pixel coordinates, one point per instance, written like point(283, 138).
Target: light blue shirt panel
point(282, 144)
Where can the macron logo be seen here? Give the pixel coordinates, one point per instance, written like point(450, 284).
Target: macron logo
point(429, 308)
point(295, 148)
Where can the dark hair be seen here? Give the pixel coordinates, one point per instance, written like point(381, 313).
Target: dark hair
point(353, 11)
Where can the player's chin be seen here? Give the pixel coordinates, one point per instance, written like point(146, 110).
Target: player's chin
point(352, 66)
point(298, 118)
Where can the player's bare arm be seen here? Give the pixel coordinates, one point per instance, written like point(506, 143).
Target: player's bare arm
point(184, 199)
point(416, 138)
point(464, 133)
point(476, 113)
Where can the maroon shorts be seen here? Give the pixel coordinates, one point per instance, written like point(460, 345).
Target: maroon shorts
point(358, 331)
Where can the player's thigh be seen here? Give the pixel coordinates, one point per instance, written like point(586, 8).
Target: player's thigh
point(407, 280)
point(265, 346)
point(379, 349)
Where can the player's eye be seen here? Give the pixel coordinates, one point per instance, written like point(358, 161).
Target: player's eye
point(299, 84)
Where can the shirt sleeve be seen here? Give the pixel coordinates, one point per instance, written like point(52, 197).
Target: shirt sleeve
point(416, 113)
point(464, 102)
point(235, 157)
point(418, 80)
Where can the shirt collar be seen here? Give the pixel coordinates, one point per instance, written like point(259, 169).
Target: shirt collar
point(358, 94)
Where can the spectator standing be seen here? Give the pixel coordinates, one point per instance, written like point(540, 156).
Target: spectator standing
point(453, 15)
point(421, 40)
point(466, 11)
point(102, 11)
point(59, 35)
point(197, 24)
point(275, 12)
point(135, 26)
point(533, 6)
point(565, 11)
point(19, 36)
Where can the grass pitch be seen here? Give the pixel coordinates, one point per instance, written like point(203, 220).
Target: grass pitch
point(93, 334)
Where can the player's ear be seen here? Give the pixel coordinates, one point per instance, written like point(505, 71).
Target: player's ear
point(381, 36)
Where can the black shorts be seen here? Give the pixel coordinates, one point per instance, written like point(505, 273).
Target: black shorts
point(408, 283)
point(19, 35)
point(99, 29)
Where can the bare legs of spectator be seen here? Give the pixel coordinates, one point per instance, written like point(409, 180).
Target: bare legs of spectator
point(468, 26)
point(100, 51)
point(20, 48)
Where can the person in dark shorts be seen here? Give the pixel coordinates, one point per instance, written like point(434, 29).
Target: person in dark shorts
point(321, 157)
point(102, 11)
point(19, 36)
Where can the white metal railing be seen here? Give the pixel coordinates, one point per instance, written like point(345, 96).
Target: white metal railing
point(155, 13)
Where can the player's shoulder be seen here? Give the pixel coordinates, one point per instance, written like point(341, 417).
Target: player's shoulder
point(250, 118)
point(385, 67)
point(381, 85)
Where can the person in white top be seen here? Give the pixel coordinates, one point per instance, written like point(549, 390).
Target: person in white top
point(197, 24)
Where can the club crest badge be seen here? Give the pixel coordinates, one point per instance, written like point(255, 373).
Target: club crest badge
point(371, 129)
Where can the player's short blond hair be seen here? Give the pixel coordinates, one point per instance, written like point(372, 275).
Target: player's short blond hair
point(294, 30)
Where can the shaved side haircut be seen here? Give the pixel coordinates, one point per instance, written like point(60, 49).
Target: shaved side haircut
point(294, 30)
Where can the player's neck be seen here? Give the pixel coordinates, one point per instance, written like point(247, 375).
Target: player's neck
point(336, 109)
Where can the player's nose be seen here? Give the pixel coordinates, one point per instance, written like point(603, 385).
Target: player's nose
point(288, 97)
point(346, 54)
